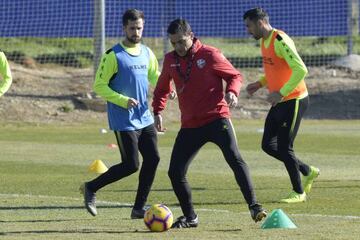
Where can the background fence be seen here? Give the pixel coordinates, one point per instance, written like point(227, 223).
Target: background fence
point(62, 32)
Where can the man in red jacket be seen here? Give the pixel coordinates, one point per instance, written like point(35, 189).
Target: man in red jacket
point(198, 72)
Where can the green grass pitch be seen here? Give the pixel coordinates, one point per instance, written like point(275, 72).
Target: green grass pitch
point(42, 166)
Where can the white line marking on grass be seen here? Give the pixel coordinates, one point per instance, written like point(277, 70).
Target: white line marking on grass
point(63, 198)
point(4, 195)
point(328, 216)
point(36, 196)
point(211, 210)
point(318, 215)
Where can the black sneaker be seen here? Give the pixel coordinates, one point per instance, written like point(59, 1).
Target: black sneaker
point(89, 199)
point(257, 212)
point(183, 222)
point(137, 213)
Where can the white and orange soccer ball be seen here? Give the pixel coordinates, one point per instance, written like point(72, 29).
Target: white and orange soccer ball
point(158, 218)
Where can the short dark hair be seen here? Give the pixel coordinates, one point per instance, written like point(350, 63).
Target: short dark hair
point(256, 14)
point(132, 15)
point(179, 25)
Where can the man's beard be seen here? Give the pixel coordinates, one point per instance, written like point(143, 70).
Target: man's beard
point(132, 40)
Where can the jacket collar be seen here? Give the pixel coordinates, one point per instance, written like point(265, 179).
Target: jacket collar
point(197, 45)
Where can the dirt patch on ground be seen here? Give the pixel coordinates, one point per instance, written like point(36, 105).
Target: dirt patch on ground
point(44, 94)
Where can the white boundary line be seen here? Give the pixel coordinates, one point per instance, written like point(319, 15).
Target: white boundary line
point(4, 195)
point(14, 195)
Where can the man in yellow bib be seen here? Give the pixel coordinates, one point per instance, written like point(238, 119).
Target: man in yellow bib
point(5, 73)
point(284, 78)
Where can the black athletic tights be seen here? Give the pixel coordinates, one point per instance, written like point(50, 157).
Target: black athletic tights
point(281, 126)
point(130, 144)
point(187, 144)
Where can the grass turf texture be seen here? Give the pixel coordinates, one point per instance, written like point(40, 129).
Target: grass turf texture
point(42, 166)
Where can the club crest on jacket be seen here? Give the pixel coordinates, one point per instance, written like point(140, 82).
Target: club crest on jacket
point(201, 63)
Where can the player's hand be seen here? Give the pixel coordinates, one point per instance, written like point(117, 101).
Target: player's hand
point(274, 98)
point(132, 103)
point(172, 95)
point(159, 123)
point(231, 99)
point(253, 87)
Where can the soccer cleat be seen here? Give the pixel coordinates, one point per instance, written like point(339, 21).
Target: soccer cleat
point(137, 213)
point(183, 222)
point(309, 179)
point(89, 199)
point(294, 197)
point(257, 212)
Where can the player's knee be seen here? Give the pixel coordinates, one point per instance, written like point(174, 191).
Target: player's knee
point(265, 146)
point(152, 160)
point(132, 168)
point(285, 154)
point(174, 175)
point(156, 159)
point(171, 174)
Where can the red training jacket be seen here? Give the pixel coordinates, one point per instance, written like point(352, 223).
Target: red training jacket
point(201, 98)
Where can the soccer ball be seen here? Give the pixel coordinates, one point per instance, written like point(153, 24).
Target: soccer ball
point(158, 218)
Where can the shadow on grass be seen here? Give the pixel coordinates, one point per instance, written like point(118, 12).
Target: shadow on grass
point(226, 230)
point(115, 206)
point(343, 186)
point(338, 180)
point(194, 189)
point(155, 190)
point(60, 207)
point(83, 231)
point(40, 221)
